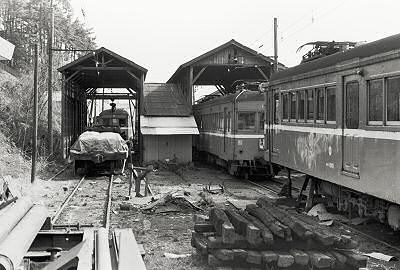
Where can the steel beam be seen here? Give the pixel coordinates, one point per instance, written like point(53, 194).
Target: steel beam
point(17, 243)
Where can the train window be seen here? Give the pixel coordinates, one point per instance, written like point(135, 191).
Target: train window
point(375, 102)
point(285, 105)
point(320, 99)
point(221, 121)
point(261, 122)
point(352, 112)
point(331, 104)
point(393, 101)
point(301, 96)
point(247, 121)
point(293, 106)
point(122, 123)
point(276, 109)
point(310, 105)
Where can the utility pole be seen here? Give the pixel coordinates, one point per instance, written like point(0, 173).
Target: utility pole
point(275, 45)
point(35, 117)
point(49, 84)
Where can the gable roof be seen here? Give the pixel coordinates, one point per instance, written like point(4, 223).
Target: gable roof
point(82, 59)
point(163, 99)
point(232, 42)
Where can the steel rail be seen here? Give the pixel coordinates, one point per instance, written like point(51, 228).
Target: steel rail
point(370, 237)
point(58, 173)
point(106, 221)
point(57, 214)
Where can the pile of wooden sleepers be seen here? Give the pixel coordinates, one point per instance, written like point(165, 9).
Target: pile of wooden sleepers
point(267, 236)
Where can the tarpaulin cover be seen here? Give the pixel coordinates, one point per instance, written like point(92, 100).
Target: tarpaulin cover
point(104, 143)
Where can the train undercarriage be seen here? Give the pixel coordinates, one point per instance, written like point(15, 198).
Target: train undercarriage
point(353, 203)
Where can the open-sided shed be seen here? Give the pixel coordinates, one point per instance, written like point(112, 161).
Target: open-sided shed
point(223, 67)
point(81, 78)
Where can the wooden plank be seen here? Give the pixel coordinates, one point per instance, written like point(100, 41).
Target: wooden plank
point(267, 219)
point(203, 227)
point(297, 227)
point(223, 254)
point(244, 227)
point(129, 256)
point(266, 233)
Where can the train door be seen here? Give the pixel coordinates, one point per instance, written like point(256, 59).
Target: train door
point(225, 126)
point(350, 142)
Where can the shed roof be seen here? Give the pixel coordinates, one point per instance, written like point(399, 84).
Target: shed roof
point(163, 99)
point(153, 125)
point(232, 42)
point(103, 68)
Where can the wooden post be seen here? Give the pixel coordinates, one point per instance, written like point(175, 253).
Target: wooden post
point(190, 93)
point(35, 117)
point(275, 45)
point(49, 85)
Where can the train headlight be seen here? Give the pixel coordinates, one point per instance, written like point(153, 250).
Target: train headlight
point(261, 143)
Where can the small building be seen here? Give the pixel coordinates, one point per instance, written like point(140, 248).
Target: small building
point(166, 124)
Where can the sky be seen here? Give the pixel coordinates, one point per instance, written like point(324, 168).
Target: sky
point(160, 35)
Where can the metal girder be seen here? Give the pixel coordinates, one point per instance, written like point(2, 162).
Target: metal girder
point(110, 96)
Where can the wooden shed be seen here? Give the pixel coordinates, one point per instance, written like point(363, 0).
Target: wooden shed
point(167, 124)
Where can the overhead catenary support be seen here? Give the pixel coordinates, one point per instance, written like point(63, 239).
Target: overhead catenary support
point(190, 93)
point(275, 45)
point(35, 117)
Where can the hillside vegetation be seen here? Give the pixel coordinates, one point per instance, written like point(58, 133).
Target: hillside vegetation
point(26, 23)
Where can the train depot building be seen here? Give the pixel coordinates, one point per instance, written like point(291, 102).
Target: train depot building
point(167, 124)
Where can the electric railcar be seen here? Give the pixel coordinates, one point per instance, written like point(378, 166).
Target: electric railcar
point(337, 119)
point(231, 132)
point(114, 119)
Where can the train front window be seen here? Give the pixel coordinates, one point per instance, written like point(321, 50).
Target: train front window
point(320, 98)
point(310, 105)
point(393, 101)
point(293, 107)
point(375, 102)
point(301, 105)
point(331, 104)
point(247, 121)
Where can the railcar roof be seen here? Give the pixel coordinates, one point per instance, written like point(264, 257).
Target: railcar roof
point(117, 111)
point(246, 96)
point(362, 51)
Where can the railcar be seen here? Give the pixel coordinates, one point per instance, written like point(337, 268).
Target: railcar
point(231, 132)
point(337, 119)
point(116, 120)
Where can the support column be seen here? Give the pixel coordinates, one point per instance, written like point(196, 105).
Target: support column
point(190, 93)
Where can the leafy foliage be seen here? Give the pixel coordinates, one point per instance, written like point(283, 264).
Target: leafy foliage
point(26, 23)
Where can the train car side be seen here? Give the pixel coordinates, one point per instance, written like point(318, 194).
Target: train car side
point(231, 131)
point(341, 124)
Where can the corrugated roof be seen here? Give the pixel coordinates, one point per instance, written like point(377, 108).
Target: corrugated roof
point(168, 125)
point(365, 50)
point(163, 99)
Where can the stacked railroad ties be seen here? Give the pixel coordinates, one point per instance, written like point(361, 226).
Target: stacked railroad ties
point(265, 236)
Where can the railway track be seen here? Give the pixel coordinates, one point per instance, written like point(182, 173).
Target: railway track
point(87, 205)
